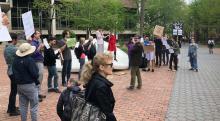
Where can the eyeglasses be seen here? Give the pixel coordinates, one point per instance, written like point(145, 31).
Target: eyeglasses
point(111, 64)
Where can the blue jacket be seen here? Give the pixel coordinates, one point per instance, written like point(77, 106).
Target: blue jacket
point(25, 70)
point(37, 55)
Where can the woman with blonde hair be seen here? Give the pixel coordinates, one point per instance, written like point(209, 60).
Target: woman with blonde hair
point(97, 87)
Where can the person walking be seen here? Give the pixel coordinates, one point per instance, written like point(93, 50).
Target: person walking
point(50, 61)
point(26, 74)
point(9, 54)
point(211, 44)
point(136, 59)
point(97, 87)
point(192, 54)
point(39, 59)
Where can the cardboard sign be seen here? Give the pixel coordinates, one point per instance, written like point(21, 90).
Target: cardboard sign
point(158, 30)
point(4, 34)
point(148, 48)
point(28, 24)
point(71, 42)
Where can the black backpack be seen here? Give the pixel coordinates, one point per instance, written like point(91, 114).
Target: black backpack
point(77, 53)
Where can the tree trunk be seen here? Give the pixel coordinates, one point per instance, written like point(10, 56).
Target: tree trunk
point(142, 17)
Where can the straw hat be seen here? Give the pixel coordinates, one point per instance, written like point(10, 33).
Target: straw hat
point(25, 49)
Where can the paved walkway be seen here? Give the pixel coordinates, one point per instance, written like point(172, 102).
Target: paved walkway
point(148, 104)
point(196, 95)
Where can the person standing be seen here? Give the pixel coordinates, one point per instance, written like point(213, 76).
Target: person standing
point(100, 41)
point(151, 57)
point(97, 87)
point(90, 48)
point(175, 50)
point(9, 55)
point(39, 59)
point(82, 54)
point(211, 44)
point(136, 59)
point(130, 47)
point(158, 51)
point(67, 56)
point(165, 51)
point(112, 44)
point(50, 61)
point(192, 53)
point(26, 75)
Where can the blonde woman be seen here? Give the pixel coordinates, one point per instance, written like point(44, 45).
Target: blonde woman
point(97, 87)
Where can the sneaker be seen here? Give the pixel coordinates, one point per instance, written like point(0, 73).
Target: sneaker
point(169, 69)
point(196, 70)
point(57, 91)
point(130, 88)
point(138, 87)
point(42, 96)
point(144, 69)
point(15, 113)
point(191, 69)
point(174, 70)
point(40, 99)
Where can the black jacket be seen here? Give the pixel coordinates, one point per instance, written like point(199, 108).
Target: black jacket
point(50, 57)
point(64, 108)
point(25, 70)
point(158, 45)
point(98, 92)
point(136, 54)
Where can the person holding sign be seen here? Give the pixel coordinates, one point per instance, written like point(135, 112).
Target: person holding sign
point(50, 61)
point(67, 56)
point(158, 51)
point(150, 55)
point(39, 59)
point(174, 50)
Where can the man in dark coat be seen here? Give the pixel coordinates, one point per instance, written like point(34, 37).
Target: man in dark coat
point(136, 58)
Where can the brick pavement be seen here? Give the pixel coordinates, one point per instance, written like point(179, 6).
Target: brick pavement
point(148, 104)
point(196, 96)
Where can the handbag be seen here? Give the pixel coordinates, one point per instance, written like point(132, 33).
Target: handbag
point(85, 111)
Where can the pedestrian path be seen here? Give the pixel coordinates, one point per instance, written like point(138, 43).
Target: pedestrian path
point(196, 95)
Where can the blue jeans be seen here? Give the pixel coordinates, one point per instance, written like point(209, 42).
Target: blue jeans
point(28, 93)
point(193, 62)
point(52, 74)
point(82, 62)
point(66, 71)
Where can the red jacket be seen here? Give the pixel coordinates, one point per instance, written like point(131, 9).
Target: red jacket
point(112, 43)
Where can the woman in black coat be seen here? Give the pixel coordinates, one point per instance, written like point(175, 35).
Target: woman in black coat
point(98, 88)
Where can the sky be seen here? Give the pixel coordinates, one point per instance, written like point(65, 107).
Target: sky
point(188, 1)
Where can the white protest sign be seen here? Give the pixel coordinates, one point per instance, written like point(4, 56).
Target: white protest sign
point(28, 24)
point(4, 34)
point(46, 43)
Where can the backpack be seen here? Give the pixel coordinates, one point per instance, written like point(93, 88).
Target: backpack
point(77, 53)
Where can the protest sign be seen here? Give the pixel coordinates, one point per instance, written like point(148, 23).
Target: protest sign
point(71, 42)
point(46, 43)
point(148, 48)
point(4, 34)
point(28, 24)
point(158, 30)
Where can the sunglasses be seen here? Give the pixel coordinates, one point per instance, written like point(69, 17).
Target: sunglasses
point(111, 64)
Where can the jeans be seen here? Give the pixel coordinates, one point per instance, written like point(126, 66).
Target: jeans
point(40, 66)
point(165, 55)
point(193, 62)
point(173, 58)
point(28, 93)
point(52, 74)
point(82, 62)
point(135, 72)
point(66, 70)
point(12, 96)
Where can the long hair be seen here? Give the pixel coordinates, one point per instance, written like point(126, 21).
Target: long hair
point(93, 66)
